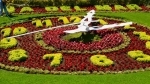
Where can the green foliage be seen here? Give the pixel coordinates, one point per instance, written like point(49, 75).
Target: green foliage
point(56, 58)
point(101, 60)
point(82, 37)
point(8, 77)
point(78, 2)
point(6, 32)
point(71, 36)
point(19, 30)
point(8, 43)
point(148, 6)
point(17, 55)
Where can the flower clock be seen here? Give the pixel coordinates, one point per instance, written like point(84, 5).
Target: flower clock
point(121, 49)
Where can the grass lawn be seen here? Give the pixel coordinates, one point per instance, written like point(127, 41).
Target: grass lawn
point(8, 77)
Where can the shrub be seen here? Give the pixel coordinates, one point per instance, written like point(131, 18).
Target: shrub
point(119, 7)
point(6, 32)
point(8, 43)
point(56, 58)
point(65, 8)
point(51, 8)
point(107, 8)
point(26, 9)
point(101, 60)
point(77, 8)
point(19, 30)
point(133, 7)
point(99, 7)
point(17, 55)
point(103, 8)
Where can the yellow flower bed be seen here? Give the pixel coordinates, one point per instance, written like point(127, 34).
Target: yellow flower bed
point(101, 60)
point(17, 55)
point(6, 32)
point(148, 44)
point(139, 56)
point(56, 58)
point(8, 43)
point(142, 35)
point(19, 30)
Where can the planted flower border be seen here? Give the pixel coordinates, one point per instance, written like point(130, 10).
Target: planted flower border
point(75, 63)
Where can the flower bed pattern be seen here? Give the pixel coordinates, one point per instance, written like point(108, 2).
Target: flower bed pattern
point(76, 62)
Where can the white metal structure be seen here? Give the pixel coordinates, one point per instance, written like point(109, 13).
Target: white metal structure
point(82, 27)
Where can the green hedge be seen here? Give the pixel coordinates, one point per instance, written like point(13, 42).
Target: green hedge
point(79, 2)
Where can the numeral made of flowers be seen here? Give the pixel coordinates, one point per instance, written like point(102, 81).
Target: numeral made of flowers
point(148, 44)
point(38, 23)
point(126, 27)
point(8, 43)
point(64, 19)
point(101, 21)
point(101, 60)
point(19, 30)
point(75, 19)
point(56, 58)
point(47, 22)
point(6, 32)
point(17, 55)
point(142, 35)
point(139, 56)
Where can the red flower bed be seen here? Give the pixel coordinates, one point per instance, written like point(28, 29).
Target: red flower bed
point(109, 40)
point(77, 62)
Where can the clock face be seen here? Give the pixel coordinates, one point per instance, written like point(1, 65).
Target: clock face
point(117, 49)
